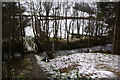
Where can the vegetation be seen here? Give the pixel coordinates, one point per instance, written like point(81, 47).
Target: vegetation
point(12, 31)
point(17, 68)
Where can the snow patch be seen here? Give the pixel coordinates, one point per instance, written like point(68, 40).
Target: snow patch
point(89, 64)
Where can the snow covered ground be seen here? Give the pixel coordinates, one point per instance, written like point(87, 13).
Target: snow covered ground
point(94, 65)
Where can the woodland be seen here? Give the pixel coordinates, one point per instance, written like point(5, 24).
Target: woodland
point(61, 40)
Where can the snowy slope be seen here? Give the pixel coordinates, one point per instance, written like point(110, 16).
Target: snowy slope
point(94, 65)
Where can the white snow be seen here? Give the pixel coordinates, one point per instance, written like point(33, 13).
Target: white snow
point(89, 64)
point(29, 44)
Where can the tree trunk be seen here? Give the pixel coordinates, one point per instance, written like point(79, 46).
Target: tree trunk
point(78, 26)
point(116, 37)
point(13, 31)
point(22, 51)
point(60, 32)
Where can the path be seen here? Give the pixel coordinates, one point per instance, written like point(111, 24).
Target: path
point(36, 71)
